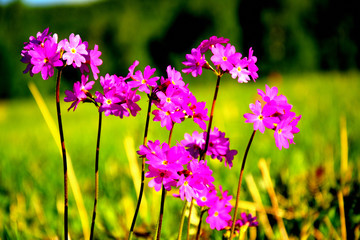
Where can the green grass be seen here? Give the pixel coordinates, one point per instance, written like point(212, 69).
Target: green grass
point(31, 185)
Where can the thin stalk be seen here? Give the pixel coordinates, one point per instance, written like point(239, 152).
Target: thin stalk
point(163, 195)
point(162, 204)
point(188, 226)
point(96, 177)
point(211, 117)
point(239, 184)
point(142, 171)
point(199, 225)
point(182, 221)
point(62, 140)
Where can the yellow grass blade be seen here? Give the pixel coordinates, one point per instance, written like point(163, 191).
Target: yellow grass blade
point(342, 214)
point(71, 174)
point(274, 202)
point(262, 214)
point(344, 149)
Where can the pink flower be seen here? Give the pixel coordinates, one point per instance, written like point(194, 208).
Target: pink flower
point(219, 215)
point(93, 60)
point(168, 118)
point(275, 115)
point(252, 66)
point(79, 92)
point(45, 58)
point(195, 62)
point(161, 177)
point(283, 134)
point(223, 56)
point(210, 43)
point(74, 51)
point(261, 117)
point(240, 72)
point(142, 81)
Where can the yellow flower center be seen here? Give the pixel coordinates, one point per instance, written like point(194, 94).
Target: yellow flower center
point(108, 101)
point(203, 199)
point(143, 81)
point(216, 214)
point(224, 58)
point(239, 69)
point(168, 100)
point(46, 60)
point(73, 50)
point(260, 117)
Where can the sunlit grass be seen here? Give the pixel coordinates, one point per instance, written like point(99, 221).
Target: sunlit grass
point(307, 175)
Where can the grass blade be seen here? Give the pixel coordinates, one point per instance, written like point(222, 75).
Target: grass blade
point(71, 174)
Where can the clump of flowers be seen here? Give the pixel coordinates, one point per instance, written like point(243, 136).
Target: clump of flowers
point(274, 113)
point(182, 166)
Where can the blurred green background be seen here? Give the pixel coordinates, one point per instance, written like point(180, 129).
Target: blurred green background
point(309, 49)
point(286, 35)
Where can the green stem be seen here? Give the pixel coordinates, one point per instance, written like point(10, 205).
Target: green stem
point(96, 177)
point(202, 156)
point(199, 225)
point(182, 221)
point(142, 171)
point(163, 194)
point(62, 140)
point(188, 226)
point(162, 204)
point(239, 184)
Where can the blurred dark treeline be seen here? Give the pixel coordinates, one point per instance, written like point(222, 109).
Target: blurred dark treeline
point(286, 35)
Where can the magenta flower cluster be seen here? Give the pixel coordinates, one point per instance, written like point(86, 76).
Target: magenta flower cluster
point(175, 167)
point(43, 53)
point(182, 166)
point(274, 113)
point(224, 57)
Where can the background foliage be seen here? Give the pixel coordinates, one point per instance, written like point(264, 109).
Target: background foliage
point(287, 35)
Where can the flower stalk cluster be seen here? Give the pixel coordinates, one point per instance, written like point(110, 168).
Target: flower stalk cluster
point(181, 167)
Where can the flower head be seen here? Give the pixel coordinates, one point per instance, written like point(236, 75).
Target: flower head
point(79, 92)
point(45, 58)
point(194, 62)
point(142, 81)
point(274, 114)
point(75, 51)
point(92, 60)
point(210, 43)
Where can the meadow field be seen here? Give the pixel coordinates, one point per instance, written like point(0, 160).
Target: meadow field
point(312, 188)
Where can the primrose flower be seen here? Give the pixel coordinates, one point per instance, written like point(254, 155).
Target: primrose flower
point(247, 219)
point(210, 43)
point(224, 56)
point(219, 215)
point(79, 92)
point(175, 78)
point(45, 58)
point(261, 117)
point(240, 72)
point(195, 62)
point(74, 51)
point(142, 81)
point(206, 198)
point(274, 114)
point(92, 60)
point(168, 118)
point(161, 178)
point(252, 66)
point(283, 134)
